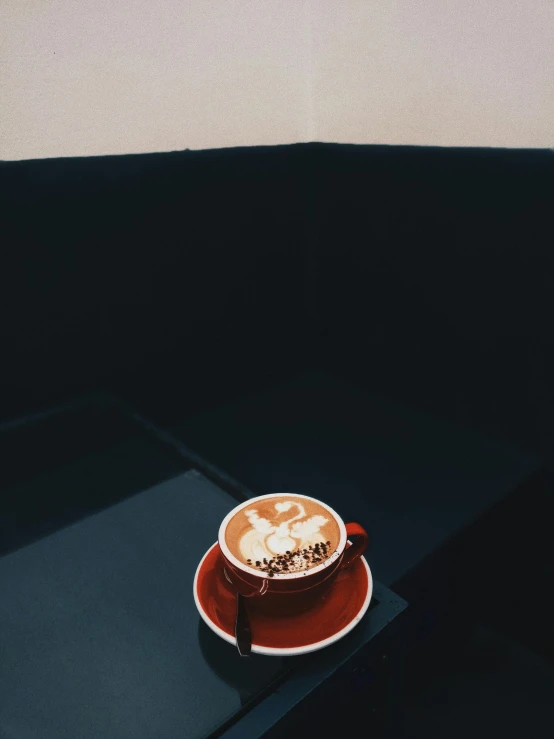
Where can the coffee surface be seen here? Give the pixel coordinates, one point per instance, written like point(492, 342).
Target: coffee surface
point(283, 534)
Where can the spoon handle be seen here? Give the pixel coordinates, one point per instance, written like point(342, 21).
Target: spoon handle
point(243, 633)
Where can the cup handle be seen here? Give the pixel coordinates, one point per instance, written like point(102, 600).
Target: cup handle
point(356, 549)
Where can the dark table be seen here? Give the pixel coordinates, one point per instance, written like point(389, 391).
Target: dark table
point(103, 520)
point(413, 480)
point(454, 517)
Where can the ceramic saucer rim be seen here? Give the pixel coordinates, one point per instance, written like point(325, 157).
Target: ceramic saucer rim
point(285, 651)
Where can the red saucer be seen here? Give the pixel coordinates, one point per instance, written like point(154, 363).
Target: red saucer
point(329, 620)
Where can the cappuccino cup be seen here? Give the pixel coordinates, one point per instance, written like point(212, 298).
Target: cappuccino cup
point(283, 551)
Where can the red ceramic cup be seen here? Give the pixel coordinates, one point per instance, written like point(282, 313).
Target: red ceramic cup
point(286, 594)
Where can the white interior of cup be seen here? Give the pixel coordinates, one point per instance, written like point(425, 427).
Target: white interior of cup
point(294, 575)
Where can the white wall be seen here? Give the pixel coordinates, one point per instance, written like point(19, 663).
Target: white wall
point(87, 77)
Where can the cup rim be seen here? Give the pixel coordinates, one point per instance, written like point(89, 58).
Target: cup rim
point(290, 576)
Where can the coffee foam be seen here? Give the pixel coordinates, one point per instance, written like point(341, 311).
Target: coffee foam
point(283, 530)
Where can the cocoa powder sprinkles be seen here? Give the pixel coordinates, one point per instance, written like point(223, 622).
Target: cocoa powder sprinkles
point(301, 559)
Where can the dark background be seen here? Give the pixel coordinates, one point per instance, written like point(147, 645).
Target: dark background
point(184, 280)
point(180, 279)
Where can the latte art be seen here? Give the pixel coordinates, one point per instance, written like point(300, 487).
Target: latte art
point(283, 534)
point(265, 539)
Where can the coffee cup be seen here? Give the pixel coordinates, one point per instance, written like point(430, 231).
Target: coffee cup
point(283, 551)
